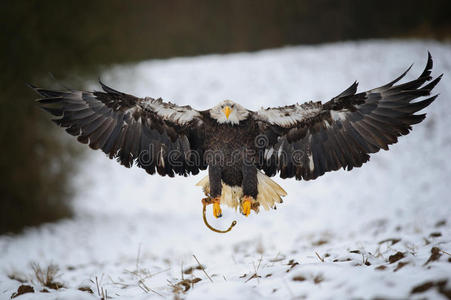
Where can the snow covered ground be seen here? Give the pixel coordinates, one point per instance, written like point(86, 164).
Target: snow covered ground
point(381, 231)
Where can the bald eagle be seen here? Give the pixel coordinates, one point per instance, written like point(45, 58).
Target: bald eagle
point(242, 148)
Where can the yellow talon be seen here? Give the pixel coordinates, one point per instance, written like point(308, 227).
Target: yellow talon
point(246, 206)
point(217, 208)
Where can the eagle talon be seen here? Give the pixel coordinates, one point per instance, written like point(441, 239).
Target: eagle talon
point(217, 212)
point(246, 205)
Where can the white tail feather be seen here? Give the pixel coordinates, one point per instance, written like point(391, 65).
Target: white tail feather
point(269, 192)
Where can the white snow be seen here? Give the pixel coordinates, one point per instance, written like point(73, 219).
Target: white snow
point(136, 232)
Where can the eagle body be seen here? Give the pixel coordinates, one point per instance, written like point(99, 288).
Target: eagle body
point(242, 148)
point(230, 146)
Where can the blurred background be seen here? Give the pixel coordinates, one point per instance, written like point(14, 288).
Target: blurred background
point(76, 40)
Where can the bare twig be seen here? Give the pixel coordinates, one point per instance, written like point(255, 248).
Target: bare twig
point(202, 267)
point(123, 284)
point(156, 273)
point(97, 285)
point(143, 287)
point(147, 274)
point(147, 289)
point(319, 257)
point(255, 275)
point(259, 262)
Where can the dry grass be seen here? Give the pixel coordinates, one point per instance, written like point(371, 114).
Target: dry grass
point(202, 268)
point(47, 277)
point(139, 275)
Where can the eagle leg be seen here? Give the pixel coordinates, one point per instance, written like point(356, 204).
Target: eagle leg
point(248, 203)
point(217, 212)
point(214, 175)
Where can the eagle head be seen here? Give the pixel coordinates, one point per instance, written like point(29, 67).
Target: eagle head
point(229, 112)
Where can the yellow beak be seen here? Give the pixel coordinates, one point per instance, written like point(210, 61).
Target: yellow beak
point(227, 110)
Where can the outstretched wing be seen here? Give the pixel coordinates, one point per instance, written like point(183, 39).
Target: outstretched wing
point(305, 141)
point(156, 135)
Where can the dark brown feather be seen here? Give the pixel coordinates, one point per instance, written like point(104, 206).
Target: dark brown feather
point(124, 127)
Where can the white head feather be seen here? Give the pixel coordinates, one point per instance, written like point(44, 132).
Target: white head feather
point(237, 112)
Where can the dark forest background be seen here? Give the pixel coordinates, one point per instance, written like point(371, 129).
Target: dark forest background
point(75, 39)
